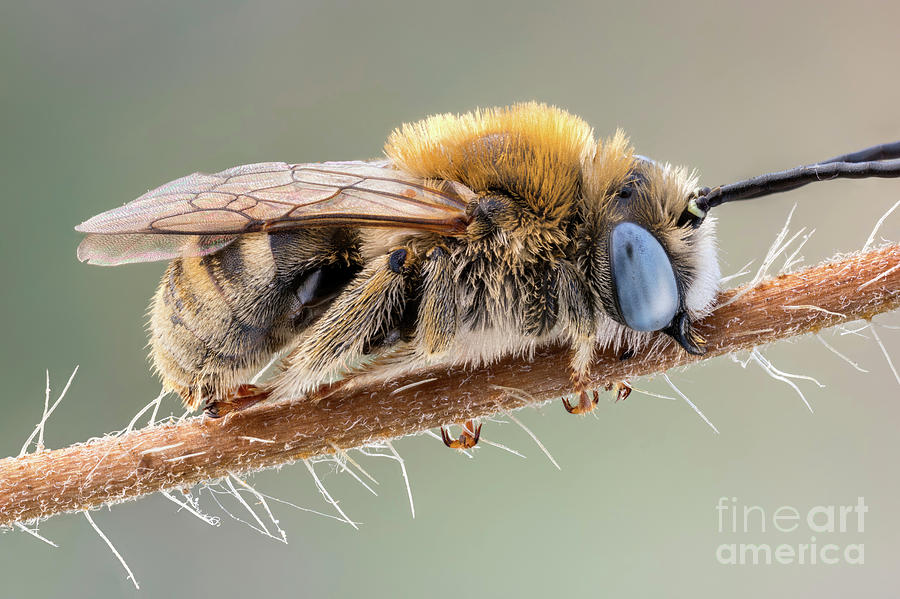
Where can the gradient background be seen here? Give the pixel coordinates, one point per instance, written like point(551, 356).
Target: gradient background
point(102, 101)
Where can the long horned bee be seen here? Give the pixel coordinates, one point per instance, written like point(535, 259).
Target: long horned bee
point(476, 237)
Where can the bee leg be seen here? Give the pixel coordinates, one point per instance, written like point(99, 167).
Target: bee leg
point(467, 439)
point(436, 324)
point(621, 388)
point(588, 398)
point(576, 317)
point(235, 400)
point(587, 401)
point(360, 321)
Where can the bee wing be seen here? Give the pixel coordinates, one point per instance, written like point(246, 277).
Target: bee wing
point(127, 248)
point(199, 214)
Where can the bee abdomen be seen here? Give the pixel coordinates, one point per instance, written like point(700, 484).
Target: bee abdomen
point(214, 319)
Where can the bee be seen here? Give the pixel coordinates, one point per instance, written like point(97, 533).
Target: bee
point(476, 237)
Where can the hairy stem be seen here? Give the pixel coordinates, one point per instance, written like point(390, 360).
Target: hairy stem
point(173, 455)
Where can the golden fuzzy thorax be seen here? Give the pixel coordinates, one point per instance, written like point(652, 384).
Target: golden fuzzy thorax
point(532, 266)
point(547, 160)
point(532, 151)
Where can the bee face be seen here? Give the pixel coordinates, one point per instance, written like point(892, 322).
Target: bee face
point(657, 273)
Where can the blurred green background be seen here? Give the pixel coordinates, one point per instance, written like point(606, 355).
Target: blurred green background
point(102, 100)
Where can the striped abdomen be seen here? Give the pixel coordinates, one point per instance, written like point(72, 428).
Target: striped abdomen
point(218, 318)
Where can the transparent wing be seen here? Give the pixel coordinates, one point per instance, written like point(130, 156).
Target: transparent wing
point(127, 248)
point(208, 211)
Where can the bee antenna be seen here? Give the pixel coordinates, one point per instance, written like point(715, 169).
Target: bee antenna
point(881, 161)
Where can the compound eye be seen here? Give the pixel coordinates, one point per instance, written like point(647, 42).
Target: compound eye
point(643, 278)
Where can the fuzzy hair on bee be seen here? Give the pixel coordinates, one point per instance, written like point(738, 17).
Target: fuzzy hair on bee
point(533, 266)
point(478, 236)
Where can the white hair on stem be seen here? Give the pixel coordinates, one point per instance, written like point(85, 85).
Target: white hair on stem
point(327, 495)
point(154, 403)
point(534, 438)
point(227, 488)
point(304, 509)
point(500, 446)
point(35, 534)
point(839, 354)
point(857, 331)
point(776, 249)
point(412, 507)
point(192, 508)
point(262, 527)
point(878, 278)
point(884, 351)
point(48, 410)
point(112, 548)
point(810, 307)
point(214, 494)
point(349, 459)
point(871, 238)
point(411, 385)
point(342, 465)
point(262, 500)
point(525, 396)
point(784, 377)
point(793, 259)
point(652, 394)
point(256, 440)
point(690, 403)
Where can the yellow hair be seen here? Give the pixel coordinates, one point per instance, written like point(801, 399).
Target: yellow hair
point(530, 151)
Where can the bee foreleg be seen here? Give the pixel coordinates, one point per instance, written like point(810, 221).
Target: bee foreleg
point(577, 318)
point(588, 397)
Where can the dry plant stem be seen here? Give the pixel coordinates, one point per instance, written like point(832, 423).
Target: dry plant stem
point(181, 454)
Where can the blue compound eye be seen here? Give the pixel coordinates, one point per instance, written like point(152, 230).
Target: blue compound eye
point(643, 277)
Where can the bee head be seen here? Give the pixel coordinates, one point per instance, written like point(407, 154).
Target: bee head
point(657, 269)
point(655, 272)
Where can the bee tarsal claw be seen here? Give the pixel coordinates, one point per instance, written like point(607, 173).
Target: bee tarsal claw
point(623, 390)
point(587, 401)
point(467, 439)
point(211, 409)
